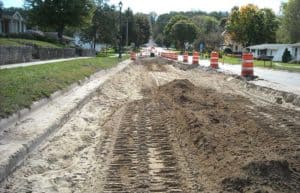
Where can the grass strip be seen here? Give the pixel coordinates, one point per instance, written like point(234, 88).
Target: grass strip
point(24, 42)
point(20, 87)
point(267, 64)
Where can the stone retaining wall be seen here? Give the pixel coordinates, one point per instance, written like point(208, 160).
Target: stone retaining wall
point(14, 54)
point(55, 53)
point(85, 52)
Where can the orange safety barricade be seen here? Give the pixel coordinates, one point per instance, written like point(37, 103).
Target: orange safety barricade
point(132, 56)
point(175, 56)
point(185, 57)
point(247, 65)
point(195, 58)
point(214, 60)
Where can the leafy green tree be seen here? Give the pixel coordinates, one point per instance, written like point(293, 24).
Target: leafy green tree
point(59, 14)
point(250, 25)
point(210, 31)
point(172, 21)
point(1, 7)
point(142, 29)
point(104, 25)
point(184, 31)
point(206, 24)
point(129, 21)
point(291, 20)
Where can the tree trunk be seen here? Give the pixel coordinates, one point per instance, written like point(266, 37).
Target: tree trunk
point(94, 44)
point(60, 32)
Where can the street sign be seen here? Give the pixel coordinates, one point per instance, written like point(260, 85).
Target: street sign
point(201, 46)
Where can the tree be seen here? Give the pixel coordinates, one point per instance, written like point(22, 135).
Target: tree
point(142, 29)
point(172, 21)
point(58, 14)
point(161, 27)
point(210, 31)
point(184, 31)
point(129, 21)
point(1, 7)
point(250, 25)
point(291, 20)
point(103, 27)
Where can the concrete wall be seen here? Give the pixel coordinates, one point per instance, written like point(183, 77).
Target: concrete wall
point(85, 52)
point(54, 53)
point(12, 54)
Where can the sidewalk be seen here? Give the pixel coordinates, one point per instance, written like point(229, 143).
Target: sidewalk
point(19, 139)
point(7, 66)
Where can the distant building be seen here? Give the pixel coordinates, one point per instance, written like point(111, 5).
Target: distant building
point(229, 43)
point(275, 50)
point(12, 22)
point(296, 51)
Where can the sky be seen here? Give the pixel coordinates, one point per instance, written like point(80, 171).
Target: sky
point(165, 6)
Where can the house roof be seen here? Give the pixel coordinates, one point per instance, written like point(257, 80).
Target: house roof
point(296, 45)
point(10, 14)
point(268, 46)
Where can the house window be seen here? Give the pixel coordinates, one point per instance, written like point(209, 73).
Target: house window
point(236, 48)
point(296, 52)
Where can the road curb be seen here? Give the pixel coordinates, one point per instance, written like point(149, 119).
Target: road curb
point(16, 158)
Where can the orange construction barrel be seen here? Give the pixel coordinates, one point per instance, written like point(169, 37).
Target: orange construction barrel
point(132, 56)
point(175, 56)
point(185, 57)
point(195, 58)
point(214, 60)
point(247, 65)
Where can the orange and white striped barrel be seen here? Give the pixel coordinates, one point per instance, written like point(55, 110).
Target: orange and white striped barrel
point(247, 65)
point(175, 56)
point(132, 56)
point(214, 60)
point(195, 58)
point(185, 57)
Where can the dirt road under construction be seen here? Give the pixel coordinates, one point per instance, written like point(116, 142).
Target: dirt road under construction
point(156, 128)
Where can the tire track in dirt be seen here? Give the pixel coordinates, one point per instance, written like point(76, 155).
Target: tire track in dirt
point(143, 156)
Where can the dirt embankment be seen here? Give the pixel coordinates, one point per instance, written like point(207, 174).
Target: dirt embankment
point(232, 147)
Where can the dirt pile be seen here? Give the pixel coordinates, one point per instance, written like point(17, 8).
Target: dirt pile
point(227, 142)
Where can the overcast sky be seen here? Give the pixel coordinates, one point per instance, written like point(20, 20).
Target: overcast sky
point(165, 6)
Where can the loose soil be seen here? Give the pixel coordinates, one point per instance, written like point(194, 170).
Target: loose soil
point(156, 128)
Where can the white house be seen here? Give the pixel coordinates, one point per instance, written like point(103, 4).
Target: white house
point(296, 51)
point(274, 50)
point(12, 22)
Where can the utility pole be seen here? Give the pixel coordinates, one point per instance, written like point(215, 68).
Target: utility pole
point(120, 28)
point(127, 26)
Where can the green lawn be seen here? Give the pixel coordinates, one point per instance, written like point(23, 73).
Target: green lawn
point(8, 42)
point(20, 87)
point(22, 42)
point(260, 63)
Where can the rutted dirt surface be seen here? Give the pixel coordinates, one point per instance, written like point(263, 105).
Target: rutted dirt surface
point(156, 128)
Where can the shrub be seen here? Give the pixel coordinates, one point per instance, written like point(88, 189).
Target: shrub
point(227, 51)
point(286, 57)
